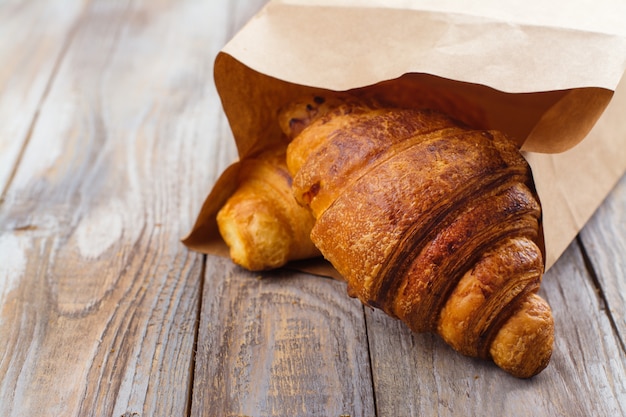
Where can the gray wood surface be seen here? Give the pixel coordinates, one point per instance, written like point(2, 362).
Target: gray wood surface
point(280, 343)
point(604, 242)
point(33, 39)
point(99, 299)
point(111, 135)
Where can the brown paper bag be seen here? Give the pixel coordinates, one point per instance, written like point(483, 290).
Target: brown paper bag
point(497, 67)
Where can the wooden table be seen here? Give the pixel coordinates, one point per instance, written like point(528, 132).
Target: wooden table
point(111, 135)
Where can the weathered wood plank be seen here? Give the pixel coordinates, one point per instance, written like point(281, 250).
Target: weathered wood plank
point(604, 239)
point(418, 375)
point(285, 345)
point(33, 37)
point(100, 300)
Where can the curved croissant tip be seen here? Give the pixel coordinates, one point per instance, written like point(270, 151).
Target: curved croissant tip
point(523, 346)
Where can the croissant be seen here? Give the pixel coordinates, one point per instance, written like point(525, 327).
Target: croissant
point(432, 222)
point(261, 223)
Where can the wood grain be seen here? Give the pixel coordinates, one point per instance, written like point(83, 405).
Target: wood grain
point(100, 311)
point(34, 38)
point(280, 344)
point(604, 239)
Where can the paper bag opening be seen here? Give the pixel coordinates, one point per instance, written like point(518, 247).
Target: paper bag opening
point(543, 122)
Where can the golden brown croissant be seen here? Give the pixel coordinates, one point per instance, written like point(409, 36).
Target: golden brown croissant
point(434, 223)
point(262, 224)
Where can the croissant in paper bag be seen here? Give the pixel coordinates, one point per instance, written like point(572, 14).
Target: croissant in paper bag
point(434, 223)
point(262, 224)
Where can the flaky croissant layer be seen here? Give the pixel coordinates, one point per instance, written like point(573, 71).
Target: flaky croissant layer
point(434, 223)
point(262, 224)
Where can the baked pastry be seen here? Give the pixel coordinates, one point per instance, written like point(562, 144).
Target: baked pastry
point(434, 223)
point(262, 224)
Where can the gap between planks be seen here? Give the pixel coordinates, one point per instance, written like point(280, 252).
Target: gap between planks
point(603, 301)
point(46, 91)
